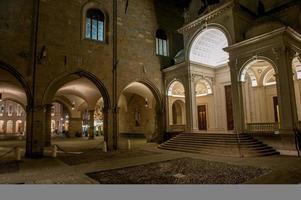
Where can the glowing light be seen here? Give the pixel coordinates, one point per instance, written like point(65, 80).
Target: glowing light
point(146, 103)
point(208, 47)
point(73, 105)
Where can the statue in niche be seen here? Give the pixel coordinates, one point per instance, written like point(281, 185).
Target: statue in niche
point(137, 117)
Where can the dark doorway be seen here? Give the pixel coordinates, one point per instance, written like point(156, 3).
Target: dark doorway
point(276, 109)
point(202, 113)
point(229, 107)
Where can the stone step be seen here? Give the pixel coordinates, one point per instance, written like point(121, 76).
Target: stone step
point(232, 154)
point(263, 148)
point(215, 142)
point(213, 137)
point(218, 144)
point(217, 138)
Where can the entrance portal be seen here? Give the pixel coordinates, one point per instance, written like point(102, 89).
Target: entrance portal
point(202, 116)
point(229, 107)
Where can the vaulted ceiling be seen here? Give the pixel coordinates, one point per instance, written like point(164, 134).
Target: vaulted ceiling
point(207, 48)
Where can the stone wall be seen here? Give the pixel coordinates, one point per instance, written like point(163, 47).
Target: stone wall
point(136, 118)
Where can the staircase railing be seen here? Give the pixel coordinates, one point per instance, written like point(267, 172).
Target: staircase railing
point(262, 127)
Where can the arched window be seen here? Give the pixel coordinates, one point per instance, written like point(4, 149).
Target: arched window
point(161, 43)
point(95, 23)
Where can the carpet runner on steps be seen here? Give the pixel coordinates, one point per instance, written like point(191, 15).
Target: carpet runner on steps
point(219, 144)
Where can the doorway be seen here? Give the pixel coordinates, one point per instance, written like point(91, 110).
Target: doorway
point(229, 107)
point(202, 115)
point(276, 109)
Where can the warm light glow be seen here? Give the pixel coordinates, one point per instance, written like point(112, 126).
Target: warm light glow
point(203, 88)
point(176, 89)
point(207, 48)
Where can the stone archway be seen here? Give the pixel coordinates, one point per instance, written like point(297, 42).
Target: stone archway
point(140, 113)
point(178, 113)
point(260, 96)
point(79, 91)
point(15, 104)
point(209, 102)
point(176, 95)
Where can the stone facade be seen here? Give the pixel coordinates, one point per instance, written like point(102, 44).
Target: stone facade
point(43, 42)
point(45, 53)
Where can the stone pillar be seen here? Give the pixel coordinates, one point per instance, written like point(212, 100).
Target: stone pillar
point(160, 126)
point(108, 129)
point(168, 114)
point(75, 126)
point(237, 99)
point(5, 126)
point(191, 108)
point(91, 124)
point(35, 132)
point(48, 125)
point(14, 125)
point(285, 90)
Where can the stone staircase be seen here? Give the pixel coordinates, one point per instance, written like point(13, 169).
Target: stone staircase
point(219, 145)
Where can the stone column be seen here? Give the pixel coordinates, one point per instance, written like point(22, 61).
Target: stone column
point(91, 124)
point(14, 124)
point(237, 99)
point(5, 126)
point(160, 126)
point(285, 90)
point(108, 129)
point(35, 132)
point(191, 108)
point(75, 126)
point(48, 125)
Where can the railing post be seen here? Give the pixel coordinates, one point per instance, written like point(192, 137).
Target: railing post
point(18, 153)
point(54, 151)
point(105, 148)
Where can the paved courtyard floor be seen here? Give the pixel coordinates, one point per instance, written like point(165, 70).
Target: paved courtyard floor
point(87, 157)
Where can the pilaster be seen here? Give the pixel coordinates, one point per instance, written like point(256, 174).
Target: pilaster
point(285, 89)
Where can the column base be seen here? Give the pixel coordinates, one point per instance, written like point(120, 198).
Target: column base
point(286, 132)
point(34, 155)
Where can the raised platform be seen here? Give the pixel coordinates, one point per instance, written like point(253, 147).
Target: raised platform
point(220, 144)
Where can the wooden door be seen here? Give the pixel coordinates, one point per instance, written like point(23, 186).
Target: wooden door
point(202, 116)
point(276, 109)
point(229, 107)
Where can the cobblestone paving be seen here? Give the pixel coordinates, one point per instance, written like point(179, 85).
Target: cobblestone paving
point(99, 155)
point(180, 171)
point(49, 170)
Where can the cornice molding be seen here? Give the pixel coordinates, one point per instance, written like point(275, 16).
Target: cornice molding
point(283, 30)
point(174, 67)
point(206, 17)
point(257, 39)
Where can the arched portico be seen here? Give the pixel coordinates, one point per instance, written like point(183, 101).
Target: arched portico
point(208, 80)
point(80, 92)
point(260, 95)
point(14, 88)
point(140, 112)
point(176, 97)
